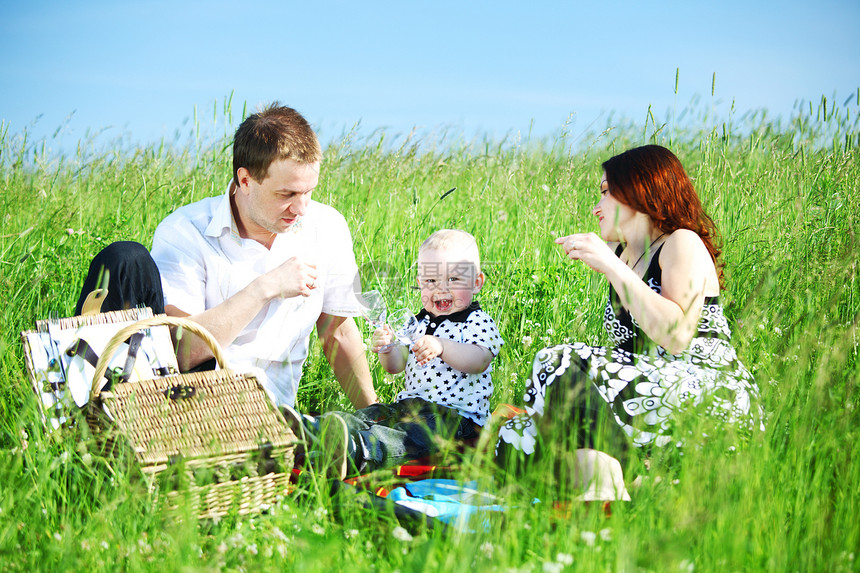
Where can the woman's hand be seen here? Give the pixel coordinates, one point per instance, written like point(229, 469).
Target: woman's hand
point(590, 249)
point(382, 337)
point(671, 317)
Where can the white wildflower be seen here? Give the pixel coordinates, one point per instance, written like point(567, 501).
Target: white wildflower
point(527, 340)
point(144, 545)
point(318, 529)
point(686, 565)
point(588, 537)
point(350, 533)
point(487, 549)
point(552, 567)
point(252, 549)
point(57, 536)
point(564, 558)
point(401, 534)
point(606, 534)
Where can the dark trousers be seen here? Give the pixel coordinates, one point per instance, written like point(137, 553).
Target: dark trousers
point(385, 435)
point(132, 277)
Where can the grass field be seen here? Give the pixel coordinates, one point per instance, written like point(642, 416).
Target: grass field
point(785, 195)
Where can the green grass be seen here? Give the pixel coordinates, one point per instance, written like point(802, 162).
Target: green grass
point(785, 195)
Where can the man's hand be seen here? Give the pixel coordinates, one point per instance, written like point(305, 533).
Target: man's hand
point(294, 277)
point(291, 278)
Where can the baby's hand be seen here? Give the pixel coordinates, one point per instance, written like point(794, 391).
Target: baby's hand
point(382, 337)
point(426, 349)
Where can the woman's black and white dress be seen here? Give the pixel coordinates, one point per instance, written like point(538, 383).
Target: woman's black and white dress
point(643, 385)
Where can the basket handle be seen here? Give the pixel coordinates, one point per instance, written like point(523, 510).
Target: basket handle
point(94, 301)
point(113, 345)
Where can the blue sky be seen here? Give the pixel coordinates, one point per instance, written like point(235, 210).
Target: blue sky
point(138, 69)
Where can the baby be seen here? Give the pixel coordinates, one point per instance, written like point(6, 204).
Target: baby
point(448, 383)
point(450, 364)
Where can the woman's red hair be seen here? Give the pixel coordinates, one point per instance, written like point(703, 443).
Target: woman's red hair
point(651, 180)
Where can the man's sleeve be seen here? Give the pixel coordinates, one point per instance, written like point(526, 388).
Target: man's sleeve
point(180, 262)
point(342, 272)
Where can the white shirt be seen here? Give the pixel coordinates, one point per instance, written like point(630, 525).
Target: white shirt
point(441, 384)
point(203, 261)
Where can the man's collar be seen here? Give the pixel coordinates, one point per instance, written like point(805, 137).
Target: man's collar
point(222, 217)
point(459, 316)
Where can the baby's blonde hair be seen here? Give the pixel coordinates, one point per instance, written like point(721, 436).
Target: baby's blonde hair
point(454, 239)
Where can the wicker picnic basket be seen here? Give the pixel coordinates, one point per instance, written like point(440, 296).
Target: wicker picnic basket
point(211, 438)
point(44, 358)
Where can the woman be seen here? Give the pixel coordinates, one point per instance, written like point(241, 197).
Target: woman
point(671, 347)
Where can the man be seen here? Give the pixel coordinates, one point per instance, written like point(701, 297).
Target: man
point(263, 264)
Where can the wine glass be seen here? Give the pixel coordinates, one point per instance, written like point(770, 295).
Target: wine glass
point(405, 327)
point(373, 307)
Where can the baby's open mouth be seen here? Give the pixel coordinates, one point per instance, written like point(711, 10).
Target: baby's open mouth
point(443, 305)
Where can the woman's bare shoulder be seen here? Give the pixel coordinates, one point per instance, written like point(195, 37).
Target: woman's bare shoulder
point(686, 253)
point(683, 236)
point(685, 242)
